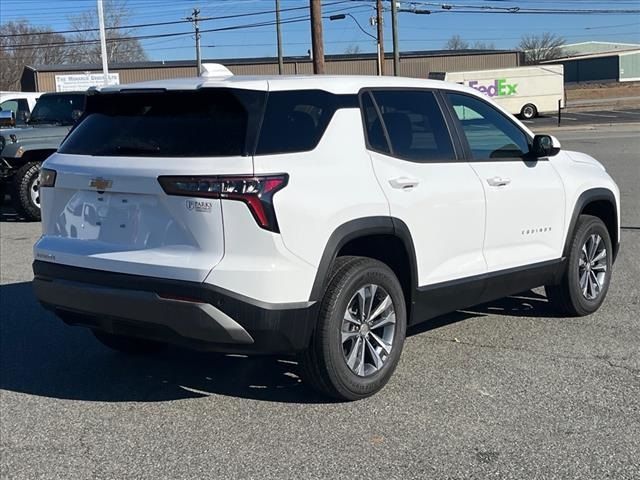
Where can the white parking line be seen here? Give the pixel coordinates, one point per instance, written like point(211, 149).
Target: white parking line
point(596, 115)
point(568, 118)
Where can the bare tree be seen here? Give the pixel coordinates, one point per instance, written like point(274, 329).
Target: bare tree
point(456, 43)
point(121, 44)
point(538, 48)
point(481, 45)
point(24, 44)
point(353, 49)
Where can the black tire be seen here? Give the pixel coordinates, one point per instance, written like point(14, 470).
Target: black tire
point(323, 364)
point(24, 180)
point(129, 345)
point(529, 111)
point(568, 297)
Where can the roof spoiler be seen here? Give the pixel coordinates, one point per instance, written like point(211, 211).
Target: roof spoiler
point(214, 70)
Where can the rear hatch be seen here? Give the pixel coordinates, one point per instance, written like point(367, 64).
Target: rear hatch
point(108, 210)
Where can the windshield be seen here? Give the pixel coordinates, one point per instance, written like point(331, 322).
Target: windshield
point(57, 109)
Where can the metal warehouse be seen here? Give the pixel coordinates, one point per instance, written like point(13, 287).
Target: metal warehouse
point(614, 66)
point(49, 78)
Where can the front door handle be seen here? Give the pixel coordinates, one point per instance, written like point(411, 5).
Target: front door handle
point(404, 183)
point(498, 181)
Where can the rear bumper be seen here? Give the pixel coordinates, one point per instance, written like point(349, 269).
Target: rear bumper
point(191, 314)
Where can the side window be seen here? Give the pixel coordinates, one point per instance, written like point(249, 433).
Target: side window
point(294, 121)
point(373, 126)
point(489, 132)
point(9, 106)
point(415, 125)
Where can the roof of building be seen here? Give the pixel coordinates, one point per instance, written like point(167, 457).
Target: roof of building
point(257, 60)
point(594, 55)
point(595, 47)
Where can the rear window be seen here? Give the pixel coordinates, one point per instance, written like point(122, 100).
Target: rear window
point(204, 123)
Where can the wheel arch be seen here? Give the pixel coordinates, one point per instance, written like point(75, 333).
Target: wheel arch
point(37, 155)
point(386, 239)
point(601, 203)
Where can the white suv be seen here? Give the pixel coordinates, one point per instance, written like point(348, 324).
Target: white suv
point(317, 216)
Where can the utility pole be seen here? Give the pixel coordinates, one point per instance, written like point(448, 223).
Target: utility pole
point(380, 37)
point(196, 26)
point(103, 44)
point(279, 35)
point(394, 28)
point(317, 45)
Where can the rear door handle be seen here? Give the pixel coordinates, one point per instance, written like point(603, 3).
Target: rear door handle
point(404, 183)
point(498, 181)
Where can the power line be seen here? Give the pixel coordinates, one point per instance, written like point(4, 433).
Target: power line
point(452, 9)
point(518, 10)
point(336, 42)
point(167, 35)
point(177, 22)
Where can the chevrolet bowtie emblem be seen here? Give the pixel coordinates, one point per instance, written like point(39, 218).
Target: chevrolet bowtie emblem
point(101, 183)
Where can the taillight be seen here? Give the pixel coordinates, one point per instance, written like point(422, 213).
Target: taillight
point(256, 191)
point(47, 177)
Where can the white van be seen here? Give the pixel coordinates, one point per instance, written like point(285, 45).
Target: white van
point(524, 91)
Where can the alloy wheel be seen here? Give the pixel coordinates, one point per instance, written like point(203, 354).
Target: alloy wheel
point(592, 267)
point(368, 330)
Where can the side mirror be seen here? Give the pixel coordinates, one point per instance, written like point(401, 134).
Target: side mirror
point(545, 146)
point(7, 118)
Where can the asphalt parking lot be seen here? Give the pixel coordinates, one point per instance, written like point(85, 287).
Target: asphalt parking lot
point(506, 390)
point(570, 118)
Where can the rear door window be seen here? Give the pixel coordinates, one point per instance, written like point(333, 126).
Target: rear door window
point(415, 125)
point(203, 123)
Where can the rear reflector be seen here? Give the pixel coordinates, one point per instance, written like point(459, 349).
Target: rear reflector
point(255, 191)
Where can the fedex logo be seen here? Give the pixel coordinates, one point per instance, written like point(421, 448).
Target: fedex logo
point(499, 88)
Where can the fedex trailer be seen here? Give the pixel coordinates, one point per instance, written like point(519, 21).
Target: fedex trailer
point(524, 91)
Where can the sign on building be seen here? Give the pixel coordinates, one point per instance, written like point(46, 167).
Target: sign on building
point(83, 81)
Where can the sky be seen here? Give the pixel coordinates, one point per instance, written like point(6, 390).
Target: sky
point(416, 32)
